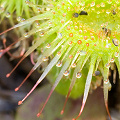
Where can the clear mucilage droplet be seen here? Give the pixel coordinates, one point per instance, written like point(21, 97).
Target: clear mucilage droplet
point(82, 52)
point(115, 42)
point(37, 24)
point(22, 20)
point(59, 64)
point(78, 75)
point(48, 45)
point(59, 35)
point(45, 58)
point(116, 54)
point(73, 65)
point(7, 14)
point(26, 35)
point(1, 10)
point(19, 18)
point(66, 73)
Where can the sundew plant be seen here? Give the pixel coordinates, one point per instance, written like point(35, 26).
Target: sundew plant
point(78, 38)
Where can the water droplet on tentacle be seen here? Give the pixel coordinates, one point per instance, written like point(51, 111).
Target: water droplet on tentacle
point(59, 64)
point(78, 75)
point(7, 14)
point(115, 42)
point(73, 65)
point(45, 58)
point(1, 10)
point(66, 73)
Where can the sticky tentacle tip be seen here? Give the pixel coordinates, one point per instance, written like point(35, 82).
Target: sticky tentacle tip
point(8, 75)
point(20, 102)
point(38, 115)
point(73, 119)
point(62, 111)
point(16, 89)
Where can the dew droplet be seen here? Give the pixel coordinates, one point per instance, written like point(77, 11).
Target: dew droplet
point(59, 64)
point(70, 43)
point(115, 42)
point(82, 52)
point(48, 45)
point(59, 35)
point(92, 37)
point(112, 60)
point(50, 23)
point(70, 56)
point(66, 73)
point(116, 54)
point(109, 1)
point(107, 65)
point(85, 37)
point(26, 35)
point(39, 10)
point(64, 14)
point(1, 10)
point(108, 11)
point(27, 2)
point(92, 4)
point(71, 34)
point(58, 53)
point(82, 3)
point(98, 12)
point(80, 31)
point(22, 20)
point(78, 75)
point(106, 81)
point(37, 24)
point(7, 14)
point(47, 9)
point(79, 42)
point(108, 45)
point(45, 58)
point(73, 65)
point(102, 4)
point(41, 34)
point(19, 18)
point(30, 4)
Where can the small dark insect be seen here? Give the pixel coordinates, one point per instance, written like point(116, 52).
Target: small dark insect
point(97, 73)
point(115, 42)
point(113, 12)
point(83, 13)
point(75, 15)
point(107, 32)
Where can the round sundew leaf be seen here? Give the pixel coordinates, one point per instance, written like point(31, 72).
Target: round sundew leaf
point(94, 109)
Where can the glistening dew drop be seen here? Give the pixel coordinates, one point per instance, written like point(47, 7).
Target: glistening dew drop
point(82, 40)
